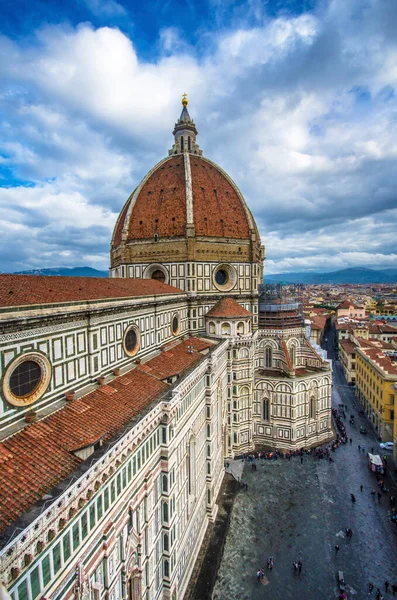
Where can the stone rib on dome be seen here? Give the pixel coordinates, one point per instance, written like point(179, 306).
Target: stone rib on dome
point(159, 204)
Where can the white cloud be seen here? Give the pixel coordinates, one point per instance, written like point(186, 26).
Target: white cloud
point(301, 111)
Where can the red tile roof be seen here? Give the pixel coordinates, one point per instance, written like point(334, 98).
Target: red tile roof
point(228, 307)
point(39, 457)
point(218, 210)
point(348, 346)
point(161, 205)
point(24, 290)
point(382, 360)
point(176, 360)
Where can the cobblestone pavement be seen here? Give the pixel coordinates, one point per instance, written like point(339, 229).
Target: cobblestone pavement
point(295, 511)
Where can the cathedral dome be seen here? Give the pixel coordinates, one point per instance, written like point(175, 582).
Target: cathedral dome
point(187, 210)
point(185, 191)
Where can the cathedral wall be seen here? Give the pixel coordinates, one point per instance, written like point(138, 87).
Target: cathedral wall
point(137, 515)
point(198, 276)
point(80, 347)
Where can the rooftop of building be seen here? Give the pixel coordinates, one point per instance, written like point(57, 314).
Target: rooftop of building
point(38, 458)
point(380, 360)
point(228, 308)
point(38, 290)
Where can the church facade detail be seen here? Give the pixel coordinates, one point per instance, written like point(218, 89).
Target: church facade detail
point(122, 398)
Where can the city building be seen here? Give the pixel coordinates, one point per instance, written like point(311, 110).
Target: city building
point(121, 398)
point(350, 309)
point(376, 377)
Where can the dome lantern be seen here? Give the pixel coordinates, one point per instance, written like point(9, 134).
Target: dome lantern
point(185, 133)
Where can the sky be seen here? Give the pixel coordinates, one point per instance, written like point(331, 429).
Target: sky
point(295, 99)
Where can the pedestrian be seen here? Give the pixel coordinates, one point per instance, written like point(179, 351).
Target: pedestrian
point(387, 585)
point(373, 493)
point(394, 588)
point(300, 566)
point(271, 563)
point(379, 496)
point(301, 459)
point(361, 487)
point(259, 575)
point(295, 565)
point(351, 441)
point(359, 448)
point(336, 549)
point(370, 588)
point(363, 448)
point(372, 450)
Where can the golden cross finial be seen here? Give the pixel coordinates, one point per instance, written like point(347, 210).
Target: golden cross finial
point(184, 100)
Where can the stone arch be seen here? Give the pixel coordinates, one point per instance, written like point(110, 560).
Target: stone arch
point(226, 328)
point(240, 329)
point(244, 353)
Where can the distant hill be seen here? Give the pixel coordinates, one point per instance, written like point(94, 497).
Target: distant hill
point(352, 275)
point(68, 272)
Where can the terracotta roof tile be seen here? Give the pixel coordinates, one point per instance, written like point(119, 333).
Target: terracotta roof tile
point(37, 458)
point(218, 210)
point(161, 204)
point(228, 307)
point(24, 290)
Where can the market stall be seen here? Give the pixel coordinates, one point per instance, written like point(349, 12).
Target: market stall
point(375, 463)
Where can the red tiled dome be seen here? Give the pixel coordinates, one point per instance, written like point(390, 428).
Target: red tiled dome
point(180, 189)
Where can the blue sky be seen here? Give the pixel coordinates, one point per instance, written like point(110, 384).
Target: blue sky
point(295, 99)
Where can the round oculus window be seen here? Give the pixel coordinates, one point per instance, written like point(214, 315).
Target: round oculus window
point(224, 277)
point(158, 275)
point(221, 277)
point(26, 379)
point(131, 341)
point(175, 325)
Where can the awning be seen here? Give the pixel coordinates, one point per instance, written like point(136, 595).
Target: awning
point(375, 459)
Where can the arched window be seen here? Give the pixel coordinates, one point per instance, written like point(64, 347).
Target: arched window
point(166, 545)
point(240, 328)
point(225, 328)
point(165, 512)
point(188, 143)
point(165, 483)
point(211, 327)
point(156, 237)
point(209, 468)
point(182, 145)
point(266, 409)
point(292, 355)
point(312, 408)
point(191, 459)
point(268, 357)
point(166, 568)
point(235, 438)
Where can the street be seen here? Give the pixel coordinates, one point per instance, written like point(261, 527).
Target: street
point(295, 511)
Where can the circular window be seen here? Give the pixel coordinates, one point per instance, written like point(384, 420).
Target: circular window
point(131, 340)
point(175, 325)
point(156, 271)
point(224, 277)
point(26, 379)
point(158, 275)
point(221, 277)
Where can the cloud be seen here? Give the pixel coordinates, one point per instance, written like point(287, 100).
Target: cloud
point(301, 110)
point(105, 8)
